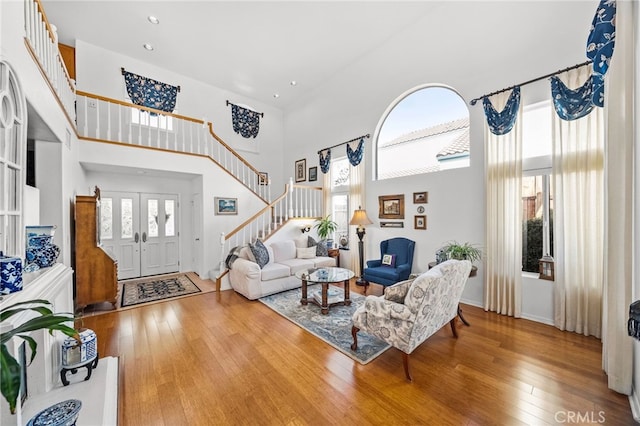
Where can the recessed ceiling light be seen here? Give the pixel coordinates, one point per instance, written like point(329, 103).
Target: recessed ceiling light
point(293, 82)
point(153, 20)
point(275, 95)
point(147, 46)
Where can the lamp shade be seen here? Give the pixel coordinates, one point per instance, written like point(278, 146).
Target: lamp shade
point(360, 218)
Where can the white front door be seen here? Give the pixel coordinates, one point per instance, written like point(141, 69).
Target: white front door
point(141, 232)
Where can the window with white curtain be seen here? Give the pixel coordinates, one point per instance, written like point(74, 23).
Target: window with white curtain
point(537, 197)
point(340, 173)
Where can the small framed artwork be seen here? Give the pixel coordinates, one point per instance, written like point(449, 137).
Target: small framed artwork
point(391, 224)
point(420, 209)
point(263, 178)
point(226, 205)
point(301, 170)
point(420, 197)
point(313, 174)
point(420, 222)
point(391, 206)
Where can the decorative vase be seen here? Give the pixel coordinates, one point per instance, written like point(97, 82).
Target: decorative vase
point(40, 252)
point(10, 274)
point(64, 413)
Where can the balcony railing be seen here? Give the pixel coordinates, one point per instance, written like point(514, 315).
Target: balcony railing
point(104, 119)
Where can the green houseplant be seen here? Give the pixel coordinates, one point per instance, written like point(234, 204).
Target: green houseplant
point(325, 227)
point(10, 377)
point(466, 251)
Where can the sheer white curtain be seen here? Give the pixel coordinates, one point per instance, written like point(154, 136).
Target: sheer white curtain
point(356, 199)
point(503, 161)
point(326, 192)
point(578, 177)
point(617, 346)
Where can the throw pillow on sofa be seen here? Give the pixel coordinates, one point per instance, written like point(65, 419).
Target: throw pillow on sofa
point(260, 252)
point(321, 246)
point(306, 253)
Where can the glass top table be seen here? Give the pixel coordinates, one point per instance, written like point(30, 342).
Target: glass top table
point(324, 277)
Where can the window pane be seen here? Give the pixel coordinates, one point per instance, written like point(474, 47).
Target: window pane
point(340, 215)
point(152, 217)
point(169, 224)
point(426, 131)
point(106, 218)
point(537, 224)
point(126, 218)
point(536, 130)
point(340, 172)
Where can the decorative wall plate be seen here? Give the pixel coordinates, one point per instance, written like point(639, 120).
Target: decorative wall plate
point(421, 209)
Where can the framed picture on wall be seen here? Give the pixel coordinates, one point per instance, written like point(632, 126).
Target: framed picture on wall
point(420, 222)
point(391, 206)
point(420, 197)
point(301, 170)
point(226, 205)
point(313, 174)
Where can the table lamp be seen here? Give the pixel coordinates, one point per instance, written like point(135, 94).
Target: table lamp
point(361, 219)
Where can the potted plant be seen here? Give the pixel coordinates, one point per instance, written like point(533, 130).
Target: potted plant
point(466, 251)
point(10, 377)
point(325, 228)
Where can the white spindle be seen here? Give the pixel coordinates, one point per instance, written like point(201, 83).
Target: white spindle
point(86, 130)
point(108, 121)
point(97, 119)
point(120, 107)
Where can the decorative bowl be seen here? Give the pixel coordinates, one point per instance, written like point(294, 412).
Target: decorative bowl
point(63, 413)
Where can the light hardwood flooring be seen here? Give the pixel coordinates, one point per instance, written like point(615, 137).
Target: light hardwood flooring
point(220, 359)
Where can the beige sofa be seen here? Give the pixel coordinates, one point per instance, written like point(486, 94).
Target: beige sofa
point(285, 259)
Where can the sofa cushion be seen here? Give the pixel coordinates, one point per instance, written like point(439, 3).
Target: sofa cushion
point(271, 271)
point(298, 264)
point(306, 253)
point(260, 253)
point(321, 261)
point(301, 241)
point(283, 250)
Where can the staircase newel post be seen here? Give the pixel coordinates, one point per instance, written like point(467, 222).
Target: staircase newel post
point(222, 241)
point(290, 198)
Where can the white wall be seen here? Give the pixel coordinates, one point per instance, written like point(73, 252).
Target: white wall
point(98, 71)
point(353, 102)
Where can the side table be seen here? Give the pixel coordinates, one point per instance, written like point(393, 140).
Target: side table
point(335, 253)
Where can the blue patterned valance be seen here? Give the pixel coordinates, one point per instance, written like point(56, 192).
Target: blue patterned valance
point(246, 122)
point(572, 104)
point(355, 157)
point(602, 36)
point(150, 93)
point(501, 123)
point(325, 160)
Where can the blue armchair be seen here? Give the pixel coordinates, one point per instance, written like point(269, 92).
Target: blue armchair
point(394, 264)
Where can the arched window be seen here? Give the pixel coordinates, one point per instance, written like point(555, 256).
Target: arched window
point(425, 130)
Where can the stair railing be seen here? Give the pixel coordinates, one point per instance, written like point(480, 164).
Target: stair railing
point(298, 201)
point(103, 119)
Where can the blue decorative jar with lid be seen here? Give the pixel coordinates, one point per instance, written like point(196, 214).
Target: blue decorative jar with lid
point(10, 274)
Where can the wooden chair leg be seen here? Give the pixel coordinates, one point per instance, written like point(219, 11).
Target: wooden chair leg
point(354, 333)
point(453, 327)
point(405, 362)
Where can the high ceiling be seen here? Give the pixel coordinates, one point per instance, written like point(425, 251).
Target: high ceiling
point(257, 48)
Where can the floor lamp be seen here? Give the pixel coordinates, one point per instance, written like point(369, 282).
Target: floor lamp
point(361, 219)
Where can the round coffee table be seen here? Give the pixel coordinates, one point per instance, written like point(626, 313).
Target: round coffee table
point(325, 276)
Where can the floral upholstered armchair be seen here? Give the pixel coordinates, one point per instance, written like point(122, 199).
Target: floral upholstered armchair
point(413, 310)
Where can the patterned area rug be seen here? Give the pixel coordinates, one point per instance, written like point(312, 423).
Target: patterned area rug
point(334, 328)
point(153, 289)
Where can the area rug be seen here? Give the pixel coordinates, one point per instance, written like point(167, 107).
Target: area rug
point(157, 288)
point(334, 328)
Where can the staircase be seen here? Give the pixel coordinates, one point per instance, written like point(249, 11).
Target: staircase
point(105, 120)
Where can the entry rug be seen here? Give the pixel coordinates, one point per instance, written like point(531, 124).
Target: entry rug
point(334, 328)
point(156, 288)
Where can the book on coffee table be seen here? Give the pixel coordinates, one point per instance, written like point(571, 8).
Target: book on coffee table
point(334, 295)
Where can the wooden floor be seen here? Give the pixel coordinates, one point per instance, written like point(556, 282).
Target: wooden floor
point(218, 359)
